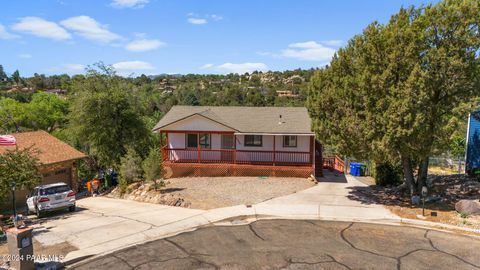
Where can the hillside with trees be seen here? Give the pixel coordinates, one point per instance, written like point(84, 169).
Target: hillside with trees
point(110, 117)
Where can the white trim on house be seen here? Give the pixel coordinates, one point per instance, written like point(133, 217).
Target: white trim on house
point(275, 134)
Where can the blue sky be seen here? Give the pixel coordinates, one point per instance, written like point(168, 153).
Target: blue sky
point(181, 36)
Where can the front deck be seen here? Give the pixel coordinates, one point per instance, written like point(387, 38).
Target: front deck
point(232, 162)
point(234, 156)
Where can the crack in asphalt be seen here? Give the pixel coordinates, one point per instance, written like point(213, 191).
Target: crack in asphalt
point(332, 260)
point(342, 235)
point(123, 260)
point(255, 232)
point(176, 258)
point(399, 258)
point(444, 252)
point(189, 254)
point(335, 260)
point(185, 252)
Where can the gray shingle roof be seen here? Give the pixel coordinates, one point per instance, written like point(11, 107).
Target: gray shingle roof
point(245, 119)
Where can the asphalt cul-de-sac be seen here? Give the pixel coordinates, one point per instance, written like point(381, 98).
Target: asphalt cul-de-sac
point(300, 244)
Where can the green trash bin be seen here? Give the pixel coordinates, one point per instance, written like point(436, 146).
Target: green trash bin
point(363, 170)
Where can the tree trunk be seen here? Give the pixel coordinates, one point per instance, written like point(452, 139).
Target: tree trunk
point(408, 173)
point(422, 173)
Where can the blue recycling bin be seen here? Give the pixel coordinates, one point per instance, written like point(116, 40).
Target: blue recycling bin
point(355, 169)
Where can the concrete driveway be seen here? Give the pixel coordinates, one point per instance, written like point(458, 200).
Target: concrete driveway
point(329, 199)
point(102, 225)
point(299, 244)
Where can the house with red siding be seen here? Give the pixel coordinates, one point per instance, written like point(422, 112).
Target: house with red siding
point(239, 141)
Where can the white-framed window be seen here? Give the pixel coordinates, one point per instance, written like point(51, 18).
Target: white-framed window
point(192, 140)
point(253, 140)
point(289, 141)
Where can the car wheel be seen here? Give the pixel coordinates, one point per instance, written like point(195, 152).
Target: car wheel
point(28, 210)
point(71, 208)
point(38, 213)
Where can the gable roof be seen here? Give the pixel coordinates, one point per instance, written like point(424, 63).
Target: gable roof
point(51, 149)
point(288, 120)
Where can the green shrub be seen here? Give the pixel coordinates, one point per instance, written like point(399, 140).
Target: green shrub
point(387, 174)
point(122, 185)
point(153, 168)
point(130, 169)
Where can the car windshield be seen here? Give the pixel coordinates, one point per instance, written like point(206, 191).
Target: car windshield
point(54, 190)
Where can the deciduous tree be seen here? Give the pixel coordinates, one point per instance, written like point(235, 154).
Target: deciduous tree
point(19, 166)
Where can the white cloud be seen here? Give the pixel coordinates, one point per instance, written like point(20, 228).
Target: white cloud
point(216, 17)
point(75, 67)
point(89, 28)
point(25, 56)
point(206, 66)
point(142, 45)
point(237, 68)
point(4, 34)
point(333, 42)
point(197, 21)
point(129, 3)
point(309, 51)
point(132, 66)
point(41, 28)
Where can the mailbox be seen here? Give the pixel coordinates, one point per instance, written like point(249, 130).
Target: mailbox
point(20, 247)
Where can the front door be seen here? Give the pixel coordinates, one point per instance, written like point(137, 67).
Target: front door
point(228, 143)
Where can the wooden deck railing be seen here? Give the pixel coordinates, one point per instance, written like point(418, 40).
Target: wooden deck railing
point(232, 156)
point(334, 163)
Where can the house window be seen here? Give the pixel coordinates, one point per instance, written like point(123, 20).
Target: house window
point(192, 140)
point(289, 141)
point(253, 140)
point(228, 141)
point(202, 139)
point(205, 140)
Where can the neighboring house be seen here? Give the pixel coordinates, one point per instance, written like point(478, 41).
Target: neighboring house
point(472, 155)
point(224, 141)
point(58, 160)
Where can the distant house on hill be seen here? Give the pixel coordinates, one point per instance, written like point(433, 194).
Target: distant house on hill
point(236, 141)
point(286, 93)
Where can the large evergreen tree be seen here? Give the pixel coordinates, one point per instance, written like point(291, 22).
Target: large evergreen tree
point(391, 93)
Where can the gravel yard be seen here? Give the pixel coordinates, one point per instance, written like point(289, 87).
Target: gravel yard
point(214, 192)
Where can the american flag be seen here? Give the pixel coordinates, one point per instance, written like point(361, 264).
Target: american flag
point(7, 140)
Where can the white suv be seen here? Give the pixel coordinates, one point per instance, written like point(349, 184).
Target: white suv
point(50, 197)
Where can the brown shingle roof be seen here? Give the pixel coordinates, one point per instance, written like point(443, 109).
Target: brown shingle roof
point(52, 150)
point(246, 119)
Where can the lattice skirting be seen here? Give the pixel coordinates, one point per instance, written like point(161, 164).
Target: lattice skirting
point(173, 170)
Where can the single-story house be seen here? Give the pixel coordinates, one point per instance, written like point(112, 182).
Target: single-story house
point(239, 141)
point(58, 160)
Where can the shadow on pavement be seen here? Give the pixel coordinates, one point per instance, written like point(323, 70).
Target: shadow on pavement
point(332, 177)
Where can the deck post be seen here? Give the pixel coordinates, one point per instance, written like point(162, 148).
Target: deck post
point(311, 148)
point(198, 148)
point(235, 149)
point(274, 150)
point(166, 138)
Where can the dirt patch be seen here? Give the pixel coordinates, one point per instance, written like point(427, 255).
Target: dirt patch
point(444, 192)
point(215, 192)
point(146, 192)
point(59, 250)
